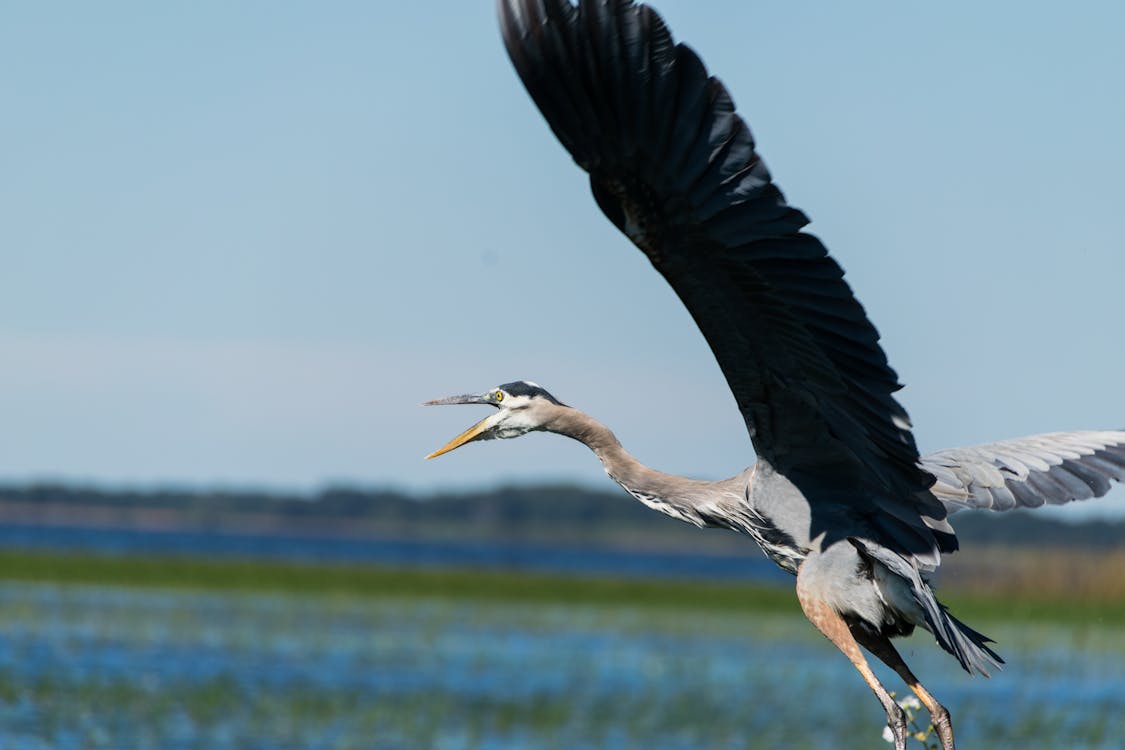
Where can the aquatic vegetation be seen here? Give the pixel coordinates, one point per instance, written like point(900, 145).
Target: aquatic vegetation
point(240, 574)
point(110, 666)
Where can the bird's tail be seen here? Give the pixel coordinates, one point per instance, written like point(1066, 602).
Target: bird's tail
point(967, 645)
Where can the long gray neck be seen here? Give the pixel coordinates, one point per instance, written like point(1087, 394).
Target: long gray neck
point(617, 461)
point(689, 500)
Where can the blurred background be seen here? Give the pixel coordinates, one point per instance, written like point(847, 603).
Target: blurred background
point(241, 244)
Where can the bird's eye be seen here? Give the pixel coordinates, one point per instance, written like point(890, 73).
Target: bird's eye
point(499, 396)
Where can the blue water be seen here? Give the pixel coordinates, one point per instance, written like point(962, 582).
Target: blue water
point(105, 667)
point(509, 555)
point(85, 667)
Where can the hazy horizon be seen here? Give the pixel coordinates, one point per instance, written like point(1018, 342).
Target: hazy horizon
point(242, 244)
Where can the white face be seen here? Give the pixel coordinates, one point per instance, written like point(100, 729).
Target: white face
point(516, 415)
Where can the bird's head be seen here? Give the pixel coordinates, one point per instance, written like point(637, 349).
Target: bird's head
point(522, 407)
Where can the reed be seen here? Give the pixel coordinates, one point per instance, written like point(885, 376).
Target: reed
point(1057, 586)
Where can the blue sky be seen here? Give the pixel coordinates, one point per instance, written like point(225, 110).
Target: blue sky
point(242, 242)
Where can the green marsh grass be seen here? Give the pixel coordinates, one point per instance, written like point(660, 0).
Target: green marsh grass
point(110, 652)
point(1022, 602)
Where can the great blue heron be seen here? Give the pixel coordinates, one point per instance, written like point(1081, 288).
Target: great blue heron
point(838, 496)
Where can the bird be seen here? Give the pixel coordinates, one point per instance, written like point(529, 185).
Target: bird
point(838, 494)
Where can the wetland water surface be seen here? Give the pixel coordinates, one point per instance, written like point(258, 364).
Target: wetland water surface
point(101, 667)
point(511, 555)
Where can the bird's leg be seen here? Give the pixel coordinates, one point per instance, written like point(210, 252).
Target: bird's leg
point(888, 654)
point(832, 625)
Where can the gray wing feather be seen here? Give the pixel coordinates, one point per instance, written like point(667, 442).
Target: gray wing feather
point(1053, 468)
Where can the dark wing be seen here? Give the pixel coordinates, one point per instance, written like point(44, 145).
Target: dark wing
point(1029, 472)
point(673, 166)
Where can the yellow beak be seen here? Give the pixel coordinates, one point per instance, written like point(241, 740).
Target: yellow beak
point(465, 437)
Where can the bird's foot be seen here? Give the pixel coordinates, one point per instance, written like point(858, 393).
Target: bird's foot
point(896, 724)
point(943, 727)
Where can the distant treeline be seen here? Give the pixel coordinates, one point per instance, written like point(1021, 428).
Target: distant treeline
point(555, 512)
point(511, 505)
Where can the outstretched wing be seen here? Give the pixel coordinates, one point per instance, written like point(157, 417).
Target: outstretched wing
point(674, 167)
point(1029, 472)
